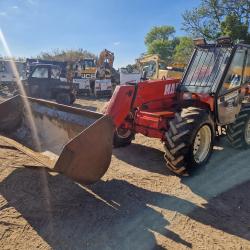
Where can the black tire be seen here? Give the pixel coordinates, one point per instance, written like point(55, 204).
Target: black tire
point(110, 95)
point(92, 87)
point(97, 94)
point(122, 138)
point(63, 98)
point(236, 132)
point(72, 99)
point(180, 139)
point(47, 95)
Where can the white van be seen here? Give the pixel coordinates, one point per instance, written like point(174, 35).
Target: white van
point(127, 77)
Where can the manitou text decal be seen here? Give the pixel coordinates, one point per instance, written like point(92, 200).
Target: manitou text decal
point(170, 89)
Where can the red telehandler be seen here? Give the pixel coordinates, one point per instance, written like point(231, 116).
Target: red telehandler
point(186, 115)
point(214, 95)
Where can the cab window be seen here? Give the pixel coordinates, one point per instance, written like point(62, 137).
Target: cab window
point(55, 73)
point(41, 72)
point(246, 77)
point(233, 77)
point(149, 68)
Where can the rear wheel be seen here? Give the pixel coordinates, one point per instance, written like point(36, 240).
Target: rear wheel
point(47, 95)
point(202, 143)
point(122, 137)
point(63, 98)
point(72, 98)
point(189, 140)
point(97, 94)
point(238, 133)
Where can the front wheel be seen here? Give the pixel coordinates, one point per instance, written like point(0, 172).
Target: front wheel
point(63, 98)
point(189, 140)
point(238, 133)
point(122, 137)
point(202, 144)
point(72, 98)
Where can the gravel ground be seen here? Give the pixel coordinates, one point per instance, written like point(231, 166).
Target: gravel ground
point(138, 204)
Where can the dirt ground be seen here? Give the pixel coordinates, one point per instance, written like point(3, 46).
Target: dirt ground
point(138, 204)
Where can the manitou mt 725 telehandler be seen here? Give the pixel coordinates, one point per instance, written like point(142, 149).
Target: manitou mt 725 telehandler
point(186, 115)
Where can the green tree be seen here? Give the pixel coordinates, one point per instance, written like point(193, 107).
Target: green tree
point(162, 33)
point(183, 50)
point(234, 28)
point(213, 18)
point(69, 55)
point(160, 40)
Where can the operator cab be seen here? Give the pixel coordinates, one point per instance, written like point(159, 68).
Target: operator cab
point(206, 67)
point(220, 70)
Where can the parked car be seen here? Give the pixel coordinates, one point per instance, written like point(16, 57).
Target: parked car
point(44, 82)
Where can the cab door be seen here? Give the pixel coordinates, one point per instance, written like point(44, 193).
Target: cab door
point(55, 81)
point(230, 97)
point(38, 81)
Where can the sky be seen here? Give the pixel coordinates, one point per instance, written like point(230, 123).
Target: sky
point(33, 26)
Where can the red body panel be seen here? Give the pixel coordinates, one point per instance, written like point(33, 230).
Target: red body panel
point(154, 101)
point(147, 107)
point(144, 108)
point(152, 124)
point(207, 100)
point(157, 94)
point(120, 104)
point(199, 100)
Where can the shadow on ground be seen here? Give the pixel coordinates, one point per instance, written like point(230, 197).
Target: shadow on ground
point(143, 157)
point(227, 166)
point(114, 214)
point(82, 100)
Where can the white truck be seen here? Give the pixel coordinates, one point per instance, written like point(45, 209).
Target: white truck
point(83, 85)
point(129, 77)
point(7, 76)
point(103, 87)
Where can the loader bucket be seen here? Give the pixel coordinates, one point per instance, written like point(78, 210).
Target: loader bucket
point(68, 140)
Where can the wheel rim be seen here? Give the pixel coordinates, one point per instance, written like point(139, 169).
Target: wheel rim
point(247, 132)
point(123, 133)
point(202, 144)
